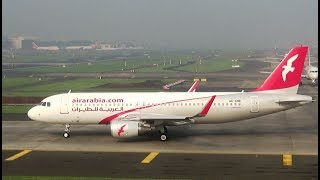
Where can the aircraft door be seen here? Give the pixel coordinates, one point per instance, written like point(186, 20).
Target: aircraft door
point(64, 104)
point(254, 104)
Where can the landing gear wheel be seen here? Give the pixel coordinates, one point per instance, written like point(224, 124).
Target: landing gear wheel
point(66, 135)
point(163, 137)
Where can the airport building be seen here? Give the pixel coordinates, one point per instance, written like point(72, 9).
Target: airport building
point(15, 42)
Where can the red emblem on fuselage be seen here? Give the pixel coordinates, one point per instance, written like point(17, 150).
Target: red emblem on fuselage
point(121, 130)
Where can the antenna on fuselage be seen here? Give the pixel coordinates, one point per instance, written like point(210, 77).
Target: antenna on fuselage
point(69, 91)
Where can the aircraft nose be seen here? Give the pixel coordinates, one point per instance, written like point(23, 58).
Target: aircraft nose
point(32, 114)
point(314, 75)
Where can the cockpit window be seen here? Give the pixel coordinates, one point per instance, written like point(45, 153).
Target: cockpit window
point(48, 104)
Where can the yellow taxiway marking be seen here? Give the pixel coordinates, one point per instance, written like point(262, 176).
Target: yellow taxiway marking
point(287, 160)
point(150, 157)
point(14, 157)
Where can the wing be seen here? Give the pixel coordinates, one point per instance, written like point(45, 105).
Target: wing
point(295, 99)
point(151, 116)
point(166, 119)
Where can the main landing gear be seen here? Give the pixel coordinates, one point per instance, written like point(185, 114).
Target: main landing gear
point(163, 133)
point(66, 133)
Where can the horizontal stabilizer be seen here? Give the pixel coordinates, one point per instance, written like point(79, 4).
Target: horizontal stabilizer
point(300, 99)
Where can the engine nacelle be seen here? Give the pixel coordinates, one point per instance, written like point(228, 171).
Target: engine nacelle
point(125, 129)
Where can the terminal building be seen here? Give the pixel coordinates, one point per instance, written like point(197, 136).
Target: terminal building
point(18, 42)
point(15, 42)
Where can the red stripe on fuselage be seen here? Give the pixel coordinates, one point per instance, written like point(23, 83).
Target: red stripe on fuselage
point(112, 117)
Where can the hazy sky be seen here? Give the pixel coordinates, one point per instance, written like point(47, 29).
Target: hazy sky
point(173, 23)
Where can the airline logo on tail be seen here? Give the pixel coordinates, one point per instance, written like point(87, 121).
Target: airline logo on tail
point(34, 45)
point(288, 68)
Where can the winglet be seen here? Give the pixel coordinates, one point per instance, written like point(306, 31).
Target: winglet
point(206, 108)
point(69, 91)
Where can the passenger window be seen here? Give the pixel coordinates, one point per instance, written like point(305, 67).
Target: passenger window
point(48, 104)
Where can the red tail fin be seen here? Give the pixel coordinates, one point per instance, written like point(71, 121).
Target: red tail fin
point(287, 75)
point(34, 46)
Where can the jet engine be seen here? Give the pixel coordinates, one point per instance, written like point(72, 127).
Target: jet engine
point(125, 129)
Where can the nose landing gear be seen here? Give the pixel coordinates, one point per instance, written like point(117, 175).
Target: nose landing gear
point(66, 133)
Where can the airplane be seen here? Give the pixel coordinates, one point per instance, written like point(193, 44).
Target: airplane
point(193, 88)
point(47, 48)
point(132, 114)
point(93, 46)
point(311, 72)
point(167, 86)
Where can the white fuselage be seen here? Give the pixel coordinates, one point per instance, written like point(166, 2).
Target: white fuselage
point(93, 108)
point(49, 48)
point(78, 47)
